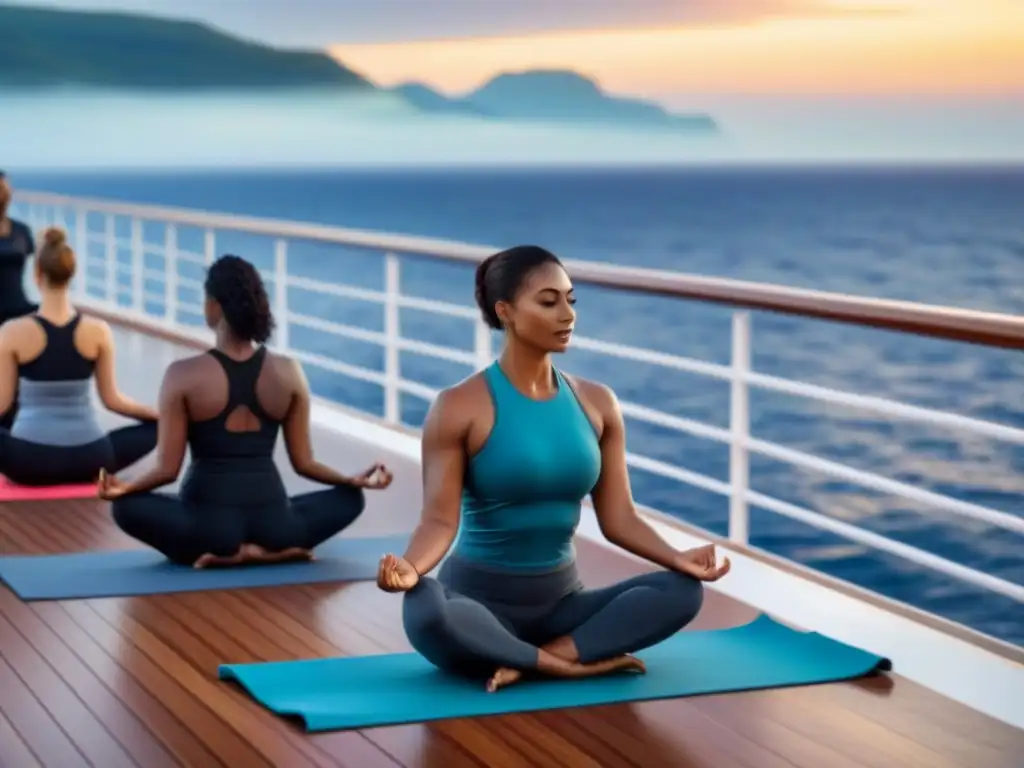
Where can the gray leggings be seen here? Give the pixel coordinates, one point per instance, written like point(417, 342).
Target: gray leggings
point(470, 621)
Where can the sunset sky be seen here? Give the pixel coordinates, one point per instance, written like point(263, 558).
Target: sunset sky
point(886, 78)
point(952, 48)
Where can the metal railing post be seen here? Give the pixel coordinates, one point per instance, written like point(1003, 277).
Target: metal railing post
point(138, 267)
point(171, 274)
point(209, 246)
point(739, 428)
point(110, 258)
point(392, 333)
point(482, 345)
point(281, 340)
point(82, 249)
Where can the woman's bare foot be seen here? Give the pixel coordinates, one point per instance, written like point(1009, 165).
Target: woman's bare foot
point(252, 553)
point(218, 561)
point(552, 665)
point(624, 663)
point(287, 555)
point(564, 648)
point(257, 554)
point(505, 676)
point(555, 667)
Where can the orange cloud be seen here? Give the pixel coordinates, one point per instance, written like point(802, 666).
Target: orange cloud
point(929, 46)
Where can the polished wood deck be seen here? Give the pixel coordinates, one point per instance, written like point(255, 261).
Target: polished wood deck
point(132, 681)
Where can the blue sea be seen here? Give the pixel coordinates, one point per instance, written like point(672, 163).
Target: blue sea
point(950, 236)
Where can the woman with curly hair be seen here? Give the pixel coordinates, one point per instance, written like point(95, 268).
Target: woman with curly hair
point(228, 405)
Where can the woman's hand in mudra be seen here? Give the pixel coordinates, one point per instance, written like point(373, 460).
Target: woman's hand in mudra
point(396, 574)
point(376, 478)
point(109, 487)
point(702, 563)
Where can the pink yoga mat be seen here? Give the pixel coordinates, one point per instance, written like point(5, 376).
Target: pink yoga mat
point(12, 492)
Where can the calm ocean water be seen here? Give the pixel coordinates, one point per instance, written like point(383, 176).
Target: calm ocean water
point(934, 235)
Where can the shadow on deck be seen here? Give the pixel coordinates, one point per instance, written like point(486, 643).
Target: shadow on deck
point(132, 681)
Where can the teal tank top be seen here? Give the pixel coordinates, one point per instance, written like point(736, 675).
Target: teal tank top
point(523, 490)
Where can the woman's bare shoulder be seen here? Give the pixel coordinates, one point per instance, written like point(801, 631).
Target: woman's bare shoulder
point(470, 392)
point(188, 370)
point(19, 331)
point(459, 404)
point(600, 396)
point(93, 324)
point(16, 326)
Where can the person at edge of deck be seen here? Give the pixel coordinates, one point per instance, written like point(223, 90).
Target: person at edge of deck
point(228, 405)
point(16, 246)
point(508, 456)
point(51, 357)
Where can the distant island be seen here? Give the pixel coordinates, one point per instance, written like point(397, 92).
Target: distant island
point(47, 48)
point(553, 96)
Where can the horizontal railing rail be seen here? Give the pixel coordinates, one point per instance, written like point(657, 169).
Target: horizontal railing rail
point(979, 327)
point(990, 329)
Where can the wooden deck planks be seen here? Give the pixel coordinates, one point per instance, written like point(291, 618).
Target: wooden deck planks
point(132, 681)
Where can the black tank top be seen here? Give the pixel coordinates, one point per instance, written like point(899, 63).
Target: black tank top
point(60, 359)
point(15, 248)
point(235, 468)
point(211, 439)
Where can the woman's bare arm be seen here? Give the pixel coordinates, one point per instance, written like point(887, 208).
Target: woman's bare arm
point(616, 511)
point(443, 451)
point(297, 439)
point(172, 432)
point(8, 369)
point(106, 380)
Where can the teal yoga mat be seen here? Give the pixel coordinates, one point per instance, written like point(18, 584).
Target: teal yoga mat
point(367, 691)
point(129, 572)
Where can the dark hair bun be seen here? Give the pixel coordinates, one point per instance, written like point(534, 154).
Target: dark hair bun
point(486, 307)
point(54, 237)
point(56, 261)
point(500, 276)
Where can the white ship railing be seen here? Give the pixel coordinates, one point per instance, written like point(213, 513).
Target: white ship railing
point(103, 289)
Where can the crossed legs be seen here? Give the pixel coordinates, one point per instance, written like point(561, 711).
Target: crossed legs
point(587, 632)
point(186, 532)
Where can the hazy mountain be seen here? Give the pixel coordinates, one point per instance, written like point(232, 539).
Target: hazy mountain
point(44, 48)
point(558, 96)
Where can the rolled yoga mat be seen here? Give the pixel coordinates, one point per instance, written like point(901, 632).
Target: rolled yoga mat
point(146, 572)
point(392, 689)
point(13, 492)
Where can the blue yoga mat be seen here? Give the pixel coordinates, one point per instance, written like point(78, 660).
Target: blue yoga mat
point(146, 572)
point(392, 689)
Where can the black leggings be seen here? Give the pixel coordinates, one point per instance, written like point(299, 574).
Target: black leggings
point(184, 530)
point(7, 417)
point(28, 463)
point(470, 621)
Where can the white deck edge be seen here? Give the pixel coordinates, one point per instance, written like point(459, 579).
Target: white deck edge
point(948, 665)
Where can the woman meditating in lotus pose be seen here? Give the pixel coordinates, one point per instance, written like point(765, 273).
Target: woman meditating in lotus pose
point(52, 357)
point(229, 404)
point(508, 456)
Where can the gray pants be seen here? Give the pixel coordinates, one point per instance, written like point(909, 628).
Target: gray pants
point(471, 621)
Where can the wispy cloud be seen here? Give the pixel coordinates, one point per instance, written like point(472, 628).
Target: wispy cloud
point(315, 23)
point(956, 48)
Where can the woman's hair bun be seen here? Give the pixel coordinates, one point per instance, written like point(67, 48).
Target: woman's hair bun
point(54, 237)
point(500, 276)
